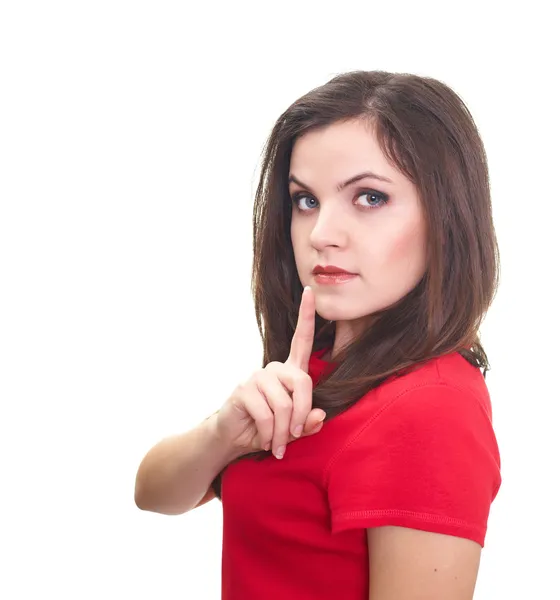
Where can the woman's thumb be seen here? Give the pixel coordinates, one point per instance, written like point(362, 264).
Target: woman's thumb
point(314, 422)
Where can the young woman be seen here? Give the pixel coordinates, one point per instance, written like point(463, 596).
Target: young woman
point(360, 461)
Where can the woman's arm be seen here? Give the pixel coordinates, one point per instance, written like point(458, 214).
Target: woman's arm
point(175, 475)
point(409, 564)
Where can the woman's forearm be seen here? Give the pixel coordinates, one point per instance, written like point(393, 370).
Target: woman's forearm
point(175, 475)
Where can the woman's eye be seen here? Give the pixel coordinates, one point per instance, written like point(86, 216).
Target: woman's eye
point(305, 202)
point(372, 199)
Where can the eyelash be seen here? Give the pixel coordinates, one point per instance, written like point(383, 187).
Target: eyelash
point(383, 199)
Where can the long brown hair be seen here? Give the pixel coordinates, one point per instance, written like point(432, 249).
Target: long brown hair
point(426, 131)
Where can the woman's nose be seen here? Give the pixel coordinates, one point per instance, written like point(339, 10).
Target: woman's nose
point(329, 229)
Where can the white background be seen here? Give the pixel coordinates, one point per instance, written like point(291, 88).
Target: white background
point(130, 135)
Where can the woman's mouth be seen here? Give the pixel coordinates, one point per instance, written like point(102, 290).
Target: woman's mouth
point(331, 275)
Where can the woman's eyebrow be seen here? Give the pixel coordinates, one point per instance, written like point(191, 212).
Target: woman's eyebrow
point(293, 179)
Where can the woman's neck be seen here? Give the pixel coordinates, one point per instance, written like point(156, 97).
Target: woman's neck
point(346, 332)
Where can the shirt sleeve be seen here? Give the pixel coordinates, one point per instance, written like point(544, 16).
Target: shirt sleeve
point(428, 460)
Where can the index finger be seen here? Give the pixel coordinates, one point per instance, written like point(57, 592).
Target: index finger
point(302, 342)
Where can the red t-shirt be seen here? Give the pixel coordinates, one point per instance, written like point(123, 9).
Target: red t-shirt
point(419, 451)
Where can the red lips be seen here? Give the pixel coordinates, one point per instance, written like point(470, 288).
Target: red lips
point(330, 270)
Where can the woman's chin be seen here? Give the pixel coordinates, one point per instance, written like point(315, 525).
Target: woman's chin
point(331, 312)
point(338, 313)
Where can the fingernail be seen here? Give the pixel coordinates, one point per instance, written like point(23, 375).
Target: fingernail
point(298, 431)
point(267, 447)
point(323, 417)
point(280, 452)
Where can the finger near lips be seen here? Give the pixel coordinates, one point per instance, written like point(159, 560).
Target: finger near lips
point(287, 388)
point(302, 340)
point(302, 396)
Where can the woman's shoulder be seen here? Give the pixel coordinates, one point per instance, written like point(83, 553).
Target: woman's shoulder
point(442, 406)
point(452, 372)
point(419, 451)
point(446, 386)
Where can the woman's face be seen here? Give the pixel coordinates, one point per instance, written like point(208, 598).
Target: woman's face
point(344, 217)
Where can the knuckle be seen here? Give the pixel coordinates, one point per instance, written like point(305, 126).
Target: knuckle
point(257, 375)
point(283, 405)
point(264, 421)
point(262, 380)
point(272, 365)
point(249, 382)
point(240, 390)
point(302, 378)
